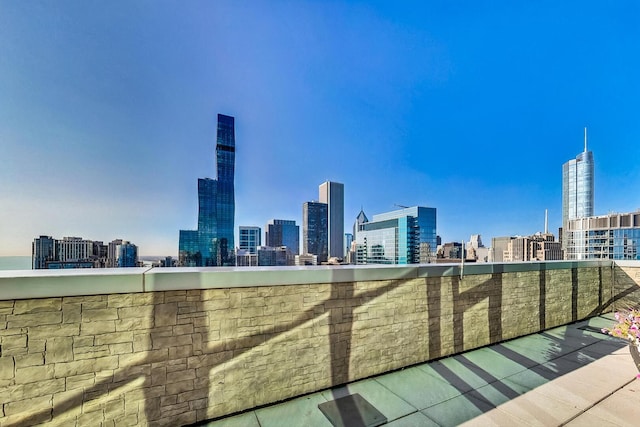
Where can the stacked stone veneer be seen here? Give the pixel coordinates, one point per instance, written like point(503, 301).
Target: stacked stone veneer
point(178, 357)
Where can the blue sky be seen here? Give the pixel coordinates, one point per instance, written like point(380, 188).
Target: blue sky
point(108, 111)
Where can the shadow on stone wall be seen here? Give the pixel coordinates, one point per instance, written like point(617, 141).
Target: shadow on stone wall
point(175, 373)
point(174, 377)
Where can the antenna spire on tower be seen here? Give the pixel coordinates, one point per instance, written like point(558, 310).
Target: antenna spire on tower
point(585, 139)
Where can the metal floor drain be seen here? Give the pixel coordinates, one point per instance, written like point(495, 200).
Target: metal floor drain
point(352, 411)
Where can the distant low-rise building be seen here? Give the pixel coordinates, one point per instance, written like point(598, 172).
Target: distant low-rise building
point(614, 236)
point(244, 258)
point(537, 247)
point(404, 236)
point(306, 259)
point(76, 252)
point(275, 257)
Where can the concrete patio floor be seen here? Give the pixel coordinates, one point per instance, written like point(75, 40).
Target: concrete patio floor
point(571, 375)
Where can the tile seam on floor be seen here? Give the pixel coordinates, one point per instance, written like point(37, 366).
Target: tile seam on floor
point(598, 402)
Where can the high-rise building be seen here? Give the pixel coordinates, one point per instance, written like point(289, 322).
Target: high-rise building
point(332, 193)
point(283, 232)
point(113, 252)
point(250, 237)
point(405, 236)
point(315, 234)
point(43, 249)
point(213, 242)
point(577, 191)
point(127, 255)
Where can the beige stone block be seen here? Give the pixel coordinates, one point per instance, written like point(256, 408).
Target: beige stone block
point(173, 377)
point(34, 319)
point(121, 348)
point(216, 304)
point(131, 372)
point(6, 368)
point(59, 349)
point(94, 418)
point(71, 313)
point(9, 342)
point(127, 420)
point(164, 342)
point(66, 406)
point(141, 342)
point(142, 357)
point(6, 307)
point(132, 312)
point(114, 408)
point(168, 400)
point(79, 381)
point(133, 324)
point(82, 353)
point(36, 347)
point(183, 329)
point(180, 352)
point(91, 305)
point(77, 367)
point(32, 374)
point(97, 328)
point(34, 359)
point(45, 332)
point(176, 365)
point(99, 314)
point(165, 314)
point(194, 395)
point(164, 331)
point(114, 338)
point(121, 300)
point(179, 387)
point(83, 341)
point(33, 389)
point(28, 406)
point(158, 376)
point(37, 305)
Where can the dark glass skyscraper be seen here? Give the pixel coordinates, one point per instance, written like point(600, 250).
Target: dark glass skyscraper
point(283, 232)
point(315, 232)
point(212, 243)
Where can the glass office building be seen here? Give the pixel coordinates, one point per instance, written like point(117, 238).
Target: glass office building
point(213, 242)
point(577, 190)
point(128, 255)
point(403, 236)
point(283, 232)
point(250, 237)
point(614, 236)
point(315, 233)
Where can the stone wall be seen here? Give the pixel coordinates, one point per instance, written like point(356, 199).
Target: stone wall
point(177, 357)
point(626, 285)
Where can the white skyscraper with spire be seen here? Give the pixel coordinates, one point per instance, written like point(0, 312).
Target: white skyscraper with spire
point(577, 190)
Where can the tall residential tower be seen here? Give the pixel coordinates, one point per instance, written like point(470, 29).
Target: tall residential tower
point(213, 242)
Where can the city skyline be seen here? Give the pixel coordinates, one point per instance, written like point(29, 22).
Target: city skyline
point(107, 117)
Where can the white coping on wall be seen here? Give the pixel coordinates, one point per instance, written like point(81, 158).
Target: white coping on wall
point(27, 284)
